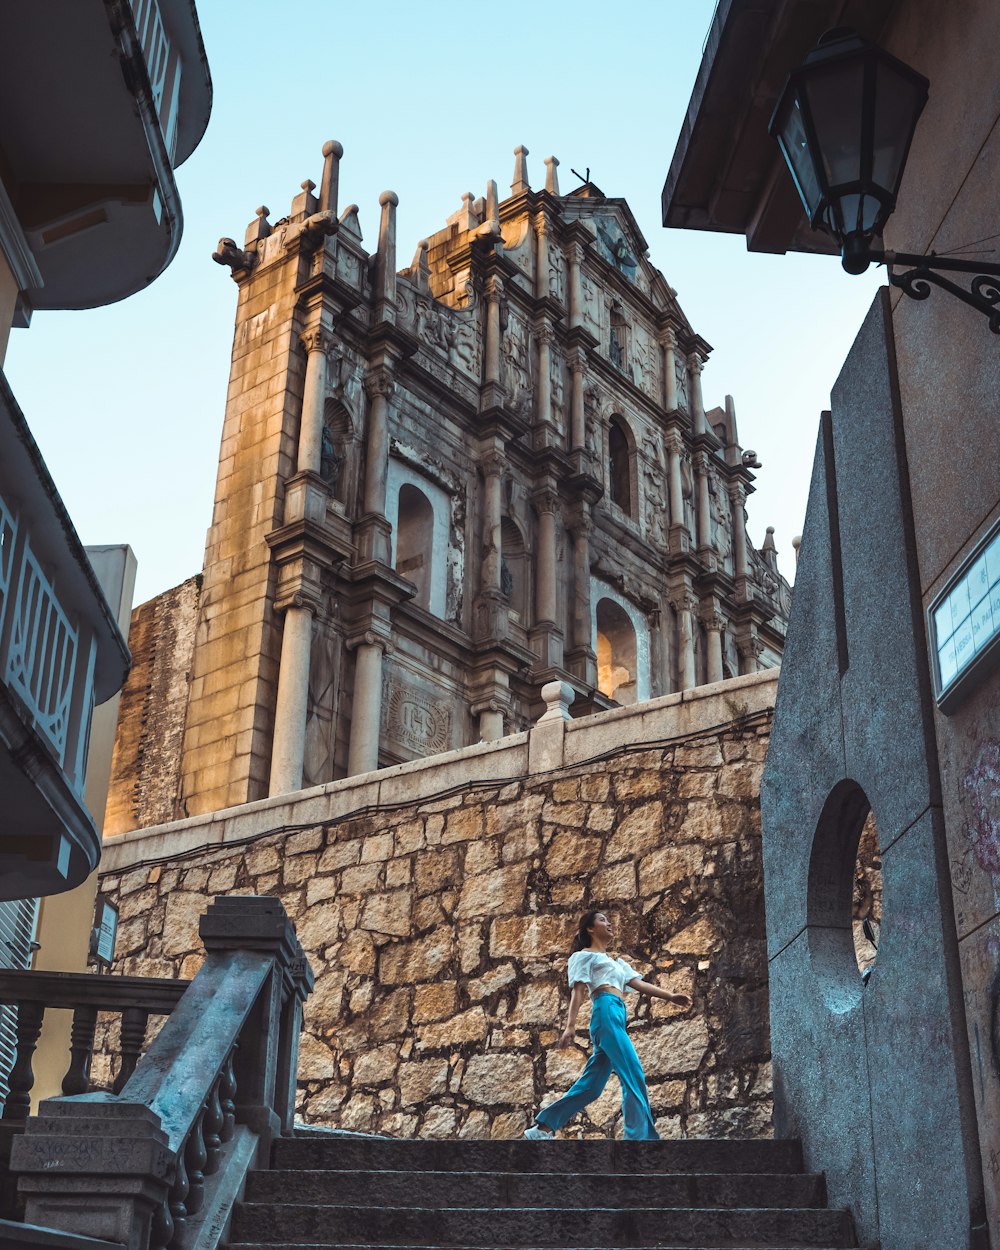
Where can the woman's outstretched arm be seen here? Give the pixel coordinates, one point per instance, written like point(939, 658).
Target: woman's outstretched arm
point(575, 1003)
point(654, 991)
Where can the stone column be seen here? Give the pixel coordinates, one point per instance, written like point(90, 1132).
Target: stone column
point(330, 182)
point(317, 342)
point(714, 623)
point(577, 361)
point(289, 742)
point(697, 402)
point(668, 343)
point(675, 449)
point(490, 721)
point(493, 463)
point(494, 294)
point(543, 386)
point(584, 660)
point(703, 476)
point(574, 260)
point(385, 259)
point(737, 499)
point(366, 709)
point(546, 503)
point(378, 385)
point(684, 604)
point(542, 289)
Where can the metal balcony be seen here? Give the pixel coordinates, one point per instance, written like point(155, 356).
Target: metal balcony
point(61, 653)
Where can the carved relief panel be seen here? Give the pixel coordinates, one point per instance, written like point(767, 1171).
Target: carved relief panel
point(416, 721)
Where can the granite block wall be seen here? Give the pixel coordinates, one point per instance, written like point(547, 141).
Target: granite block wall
point(439, 929)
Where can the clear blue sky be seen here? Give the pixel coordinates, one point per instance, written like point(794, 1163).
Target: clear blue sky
point(429, 100)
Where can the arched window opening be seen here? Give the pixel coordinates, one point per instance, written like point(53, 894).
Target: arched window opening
point(415, 541)
point(617, 653)
point(618, 342)
point(513, 570)
point(620, 466)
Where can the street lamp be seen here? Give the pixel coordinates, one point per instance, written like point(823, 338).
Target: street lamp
point(844, 123)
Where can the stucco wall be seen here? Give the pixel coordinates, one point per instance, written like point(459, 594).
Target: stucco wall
point(436, 902)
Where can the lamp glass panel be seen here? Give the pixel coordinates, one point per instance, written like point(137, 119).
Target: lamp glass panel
point(856, 213)
point(836, 94)
point(795, 147)
point(898, 103)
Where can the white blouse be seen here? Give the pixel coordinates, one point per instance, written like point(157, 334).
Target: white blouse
point(595, 968)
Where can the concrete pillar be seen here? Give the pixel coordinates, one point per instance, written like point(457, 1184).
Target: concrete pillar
point(493, 463)
point(317, 342)
point(668, 343)
point(546, 502)
point(574, 259)
point(366, 713)
point(714, 624)
point(684, 605)
point(577, 362)
point(674, 451)
point(289, 742)
point(697, 402)
point(379, 386)
point(494, 294)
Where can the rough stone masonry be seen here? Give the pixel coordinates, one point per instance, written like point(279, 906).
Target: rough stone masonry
point(439, 923)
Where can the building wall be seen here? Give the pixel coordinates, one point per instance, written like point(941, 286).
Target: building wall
point(949, 380)
point(145, 765)
point(436, 902)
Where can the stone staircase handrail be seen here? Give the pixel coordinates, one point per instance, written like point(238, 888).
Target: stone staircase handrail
point(162, 1160)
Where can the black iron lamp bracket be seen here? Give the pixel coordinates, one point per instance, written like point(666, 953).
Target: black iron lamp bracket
point(922, 271)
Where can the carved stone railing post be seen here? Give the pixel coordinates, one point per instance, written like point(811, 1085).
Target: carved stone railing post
point(158, 1165)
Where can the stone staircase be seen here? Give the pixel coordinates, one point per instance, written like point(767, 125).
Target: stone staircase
point(353, 1192)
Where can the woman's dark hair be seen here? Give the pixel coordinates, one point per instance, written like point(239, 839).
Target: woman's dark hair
point(582, 939)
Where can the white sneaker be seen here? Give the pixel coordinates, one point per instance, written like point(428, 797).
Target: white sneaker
point(537, 1133)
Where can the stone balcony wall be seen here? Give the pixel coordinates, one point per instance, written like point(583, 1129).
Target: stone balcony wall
point(437, 900)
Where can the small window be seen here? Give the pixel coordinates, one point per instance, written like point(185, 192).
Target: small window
point(415, 541)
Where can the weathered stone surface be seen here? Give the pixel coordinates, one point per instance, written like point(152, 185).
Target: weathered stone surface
point(440, 941)
point(489, 1079)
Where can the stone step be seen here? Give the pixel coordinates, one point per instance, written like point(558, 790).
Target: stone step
point(285, 1223)
point(540, 1189)
point(336, 1153)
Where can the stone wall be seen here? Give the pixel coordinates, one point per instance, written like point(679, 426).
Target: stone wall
point(145, 767)
point(437, 900)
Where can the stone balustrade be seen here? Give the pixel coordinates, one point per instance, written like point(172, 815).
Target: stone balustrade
point(156, 1163)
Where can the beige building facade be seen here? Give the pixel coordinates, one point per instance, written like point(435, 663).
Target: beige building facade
point(441, 487)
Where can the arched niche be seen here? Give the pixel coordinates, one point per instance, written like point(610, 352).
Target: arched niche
point(514, 571)
point(621, 465)
point(621, 642)
point(339, 451)
point(418, 509)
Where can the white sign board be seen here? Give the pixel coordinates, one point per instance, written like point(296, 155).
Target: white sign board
point(965, 620)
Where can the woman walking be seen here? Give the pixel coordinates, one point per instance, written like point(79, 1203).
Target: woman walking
point(592, 968)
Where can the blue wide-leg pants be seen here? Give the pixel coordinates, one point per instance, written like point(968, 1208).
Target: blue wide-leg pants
point(613, 1052)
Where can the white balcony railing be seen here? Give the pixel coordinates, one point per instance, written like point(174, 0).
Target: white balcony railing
point(43, 658)
point(163, 66)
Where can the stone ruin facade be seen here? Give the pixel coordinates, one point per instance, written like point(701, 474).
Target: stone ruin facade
point(439, 488)
point(436, 902)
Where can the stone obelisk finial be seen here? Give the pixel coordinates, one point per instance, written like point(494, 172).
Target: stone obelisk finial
point(492, 202)
point(332, 152)
point(520, 183)
point(551, 177)
point(385, 265)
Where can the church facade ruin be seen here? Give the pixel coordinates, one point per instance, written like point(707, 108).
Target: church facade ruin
point(441, 488)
